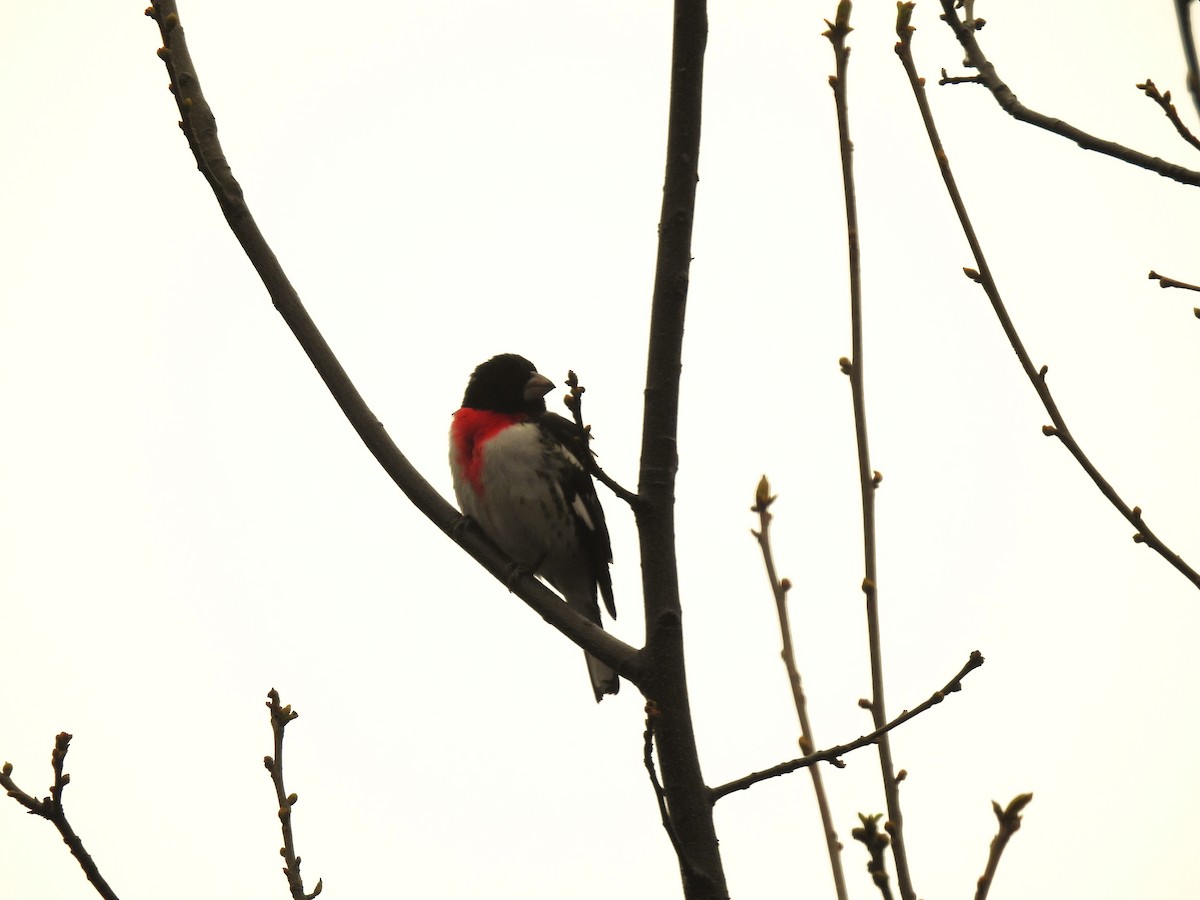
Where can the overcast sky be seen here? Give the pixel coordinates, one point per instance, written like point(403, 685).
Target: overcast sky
point(188, 520)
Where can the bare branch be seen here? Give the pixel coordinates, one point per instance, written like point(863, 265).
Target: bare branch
point(1010, 820)
point(833, 754)
point(1037, 377)
point(51, 809)
point(779, 589)
point(574, 402)
point(876, 843)
point(1150, 89)
point(868, 478)
point(200, 128)
point(1165, 282)
point(280, 716)
point(1183, 9)
point(965, 30)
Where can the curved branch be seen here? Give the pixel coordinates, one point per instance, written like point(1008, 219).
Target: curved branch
point(832, 754)
point(200, 127)
point(965, 32)
point(1037, 377)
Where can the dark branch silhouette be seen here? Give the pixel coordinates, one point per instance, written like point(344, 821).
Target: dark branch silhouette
point(833, 754)
point(876, 842)
point(574, 402)
point(200, 128)
point(965, 30)
point(983, 277)
point(51, 809)
point(1183, 9)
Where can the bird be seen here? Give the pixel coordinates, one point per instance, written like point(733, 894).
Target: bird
point(519, 473)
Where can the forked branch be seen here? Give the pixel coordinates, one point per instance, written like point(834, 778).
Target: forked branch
point(51, 809)
point(964, 30)
point(983, 277)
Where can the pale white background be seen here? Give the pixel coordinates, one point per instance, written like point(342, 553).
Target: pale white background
point(189, 521)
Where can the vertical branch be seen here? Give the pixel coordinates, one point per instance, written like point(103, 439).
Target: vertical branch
point(780, 588)
point(280, 716)
point(1009, 820)
point(665, 681)
point(868, 479)
point(1183, 9)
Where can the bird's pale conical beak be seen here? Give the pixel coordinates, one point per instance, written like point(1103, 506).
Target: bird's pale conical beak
point(537, 386)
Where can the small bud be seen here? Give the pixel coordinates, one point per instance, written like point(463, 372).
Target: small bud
point(268, 763)
point(1042, 372)
point(864, 703)
point(785, 584)
point(844, 363)
point(7, 770)
point(868, 586)
point(1137, 512)
point(876, 478)
point(150, 11)
point(163, 52)
point(762, 494)
point(901, 775)
point(1049, 430)
point(972, 274)
point(292, 799)
point(1196, 311)
point(1139, 538)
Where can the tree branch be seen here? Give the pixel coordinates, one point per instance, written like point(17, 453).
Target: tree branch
point(983, 277)
point(574, 402)
point(1150, 89)
point(833, 754)
point(965, 32)
point(1184, 11)
point(868, 478)
point(200, 128)
point(1010, 820)
point(51, 809)
point(779, 589)
point(280, 716)
point(666, 677)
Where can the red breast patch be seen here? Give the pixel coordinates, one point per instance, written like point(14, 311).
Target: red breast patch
point(471, 430)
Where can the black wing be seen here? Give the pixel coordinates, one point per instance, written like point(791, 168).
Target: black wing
point(579, 484)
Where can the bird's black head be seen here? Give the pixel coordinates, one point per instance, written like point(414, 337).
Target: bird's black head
point(507, 384)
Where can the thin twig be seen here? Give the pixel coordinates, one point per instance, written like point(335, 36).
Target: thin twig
point(1165, 282)
point(51, 809)
point(868, 478)
point(1150, 89)
point(983, 276)
point(876, 843)
point(280, 716)
point(965, 32)
point(574, 402)
point(1009, 820)
point(200, 127)
point(660, 795)
point(779, 589)
point(1184, 12)
point(833, 754)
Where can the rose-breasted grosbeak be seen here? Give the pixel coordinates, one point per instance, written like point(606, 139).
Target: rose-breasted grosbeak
point(518, 473)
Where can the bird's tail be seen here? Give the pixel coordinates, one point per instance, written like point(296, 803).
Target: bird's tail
point(604, 679)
